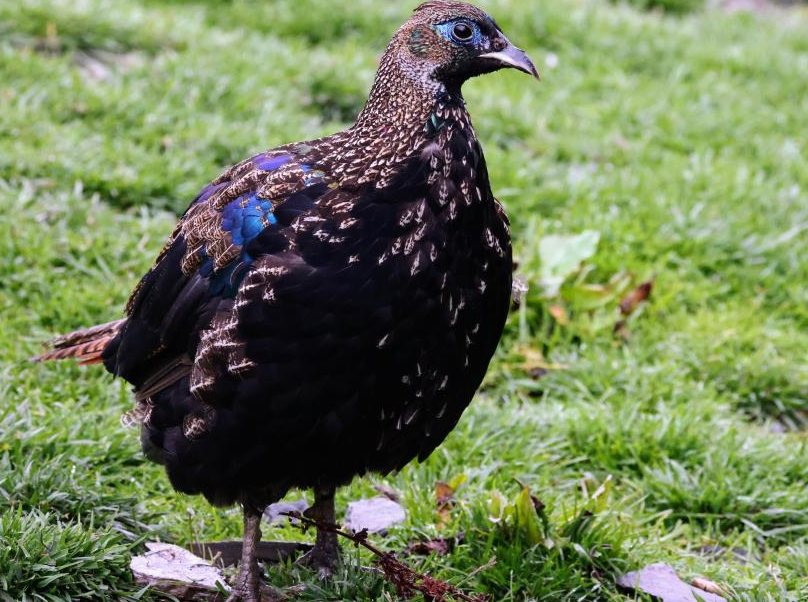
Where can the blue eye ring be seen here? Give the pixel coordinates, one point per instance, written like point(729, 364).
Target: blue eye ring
point(457, 32)
point(462, 32)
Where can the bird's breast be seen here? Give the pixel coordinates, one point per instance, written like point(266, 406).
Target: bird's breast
point(431, 263)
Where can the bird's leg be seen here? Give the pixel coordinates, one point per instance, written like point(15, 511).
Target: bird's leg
point(325, 554)
point(246, 588)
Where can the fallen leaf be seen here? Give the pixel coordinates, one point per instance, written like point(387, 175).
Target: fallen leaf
point(562, 255)
point(639, 295)
point(438, 546)
point(708, 585)
point(534, 360)
point(443, 492)
point(593, 296)
point(375, 515)
point(99, 64)
point(661, 581)
point(621, 329)
point(175, 571)
point(444, 499)
point(91, 67)
point(559, 314)
point(275, 513)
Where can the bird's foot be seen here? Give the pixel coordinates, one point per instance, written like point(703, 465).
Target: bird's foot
point(323, 557)
point(245, 589)
point(242, 592)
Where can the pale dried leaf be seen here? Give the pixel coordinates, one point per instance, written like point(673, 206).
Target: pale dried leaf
point(661, 581)
point(559, 314)
point(375, 514)
point(174, 570)
point(561, 256)
point(274, 513)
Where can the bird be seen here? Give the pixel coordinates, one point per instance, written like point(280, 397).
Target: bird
point(327, 308)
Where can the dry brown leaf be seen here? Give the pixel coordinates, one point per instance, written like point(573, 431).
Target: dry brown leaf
point(621, 329)
point(639, 295)
point(559, 314)
point(444, 499)
point(534, 360)
point(438, 546)
point(629, 304)
point(662, 582)
point(708, 585)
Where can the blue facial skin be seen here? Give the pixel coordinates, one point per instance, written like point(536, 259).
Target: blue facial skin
point(445, 30)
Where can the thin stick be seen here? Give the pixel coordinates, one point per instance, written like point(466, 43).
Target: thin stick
point(406, 580)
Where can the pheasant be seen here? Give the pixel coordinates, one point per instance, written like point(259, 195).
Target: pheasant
point(326, 308)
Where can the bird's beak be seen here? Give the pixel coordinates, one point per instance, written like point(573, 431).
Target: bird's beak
point(513, 57)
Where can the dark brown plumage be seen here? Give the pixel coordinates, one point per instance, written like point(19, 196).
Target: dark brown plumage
point(329, 307)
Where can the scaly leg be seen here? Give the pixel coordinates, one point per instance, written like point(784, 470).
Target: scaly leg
point(325, 554)
point(246, 588)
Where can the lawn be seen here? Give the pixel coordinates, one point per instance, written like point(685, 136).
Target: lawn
point(677, 141)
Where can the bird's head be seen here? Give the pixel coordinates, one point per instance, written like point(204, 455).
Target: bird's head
point(449, 42)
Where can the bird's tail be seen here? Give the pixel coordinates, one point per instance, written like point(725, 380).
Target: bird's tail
point(86, 345)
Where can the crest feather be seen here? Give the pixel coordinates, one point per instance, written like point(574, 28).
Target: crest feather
point(450, 7)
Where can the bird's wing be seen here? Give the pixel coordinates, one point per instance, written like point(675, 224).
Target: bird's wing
point(237, 219)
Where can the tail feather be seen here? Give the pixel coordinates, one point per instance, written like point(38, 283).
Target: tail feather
point(85, 345)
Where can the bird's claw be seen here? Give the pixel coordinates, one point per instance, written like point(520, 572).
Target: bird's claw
point(241, 595)
point(243, 590)
point(323, 559)
point(267, 594)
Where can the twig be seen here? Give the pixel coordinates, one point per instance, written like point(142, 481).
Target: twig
point(488, 565)
point(406, 580)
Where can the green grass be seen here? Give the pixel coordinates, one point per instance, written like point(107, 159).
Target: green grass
point(680, 139)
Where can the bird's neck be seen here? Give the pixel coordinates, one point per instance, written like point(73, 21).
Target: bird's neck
point(402, 92)
point(394, 124)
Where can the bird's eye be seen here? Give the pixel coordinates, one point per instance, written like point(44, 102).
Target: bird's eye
point(462, 32)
